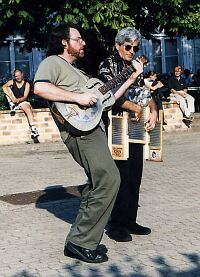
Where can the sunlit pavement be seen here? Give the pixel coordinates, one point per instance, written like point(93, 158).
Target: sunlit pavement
point(33, 226)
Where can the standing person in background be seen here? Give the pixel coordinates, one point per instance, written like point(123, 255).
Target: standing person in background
point(178, 87)
point(124, 214)
point(17, 92)
point(58, 80)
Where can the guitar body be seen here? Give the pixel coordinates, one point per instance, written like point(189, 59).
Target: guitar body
point(81, 120)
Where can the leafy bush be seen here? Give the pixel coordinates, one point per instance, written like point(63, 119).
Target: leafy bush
point(3, 101)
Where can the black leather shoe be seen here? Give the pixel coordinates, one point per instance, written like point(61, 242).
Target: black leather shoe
point(120, 235)
point(187, 122)
point(84, 254)
point(102, 249)
point(137, 229)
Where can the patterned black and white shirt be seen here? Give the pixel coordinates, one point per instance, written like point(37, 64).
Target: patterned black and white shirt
point(114, 65)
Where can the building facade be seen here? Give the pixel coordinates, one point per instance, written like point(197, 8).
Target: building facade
point(163, 52)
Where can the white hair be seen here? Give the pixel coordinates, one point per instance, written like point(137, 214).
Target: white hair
point(128, 34)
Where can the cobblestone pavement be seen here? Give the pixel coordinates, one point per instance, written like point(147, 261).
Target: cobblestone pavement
point(32, 235)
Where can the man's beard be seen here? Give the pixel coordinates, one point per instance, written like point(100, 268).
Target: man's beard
point(78, 54)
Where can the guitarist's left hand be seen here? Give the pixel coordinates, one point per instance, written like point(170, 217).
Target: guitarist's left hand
point(138, 70)
point(138, 65)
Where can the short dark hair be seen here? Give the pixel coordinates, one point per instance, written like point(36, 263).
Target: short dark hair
point(17, 69)
point(178, 68)
point(58, 33)
point(151, 73)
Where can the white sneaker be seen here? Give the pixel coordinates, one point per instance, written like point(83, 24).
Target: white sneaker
point(34, 132)
point(12, 110)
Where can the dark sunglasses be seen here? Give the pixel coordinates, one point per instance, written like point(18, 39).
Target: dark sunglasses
point(128, 47)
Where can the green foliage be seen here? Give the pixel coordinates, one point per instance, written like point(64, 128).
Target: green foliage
point(34, 19)
point(111, 14)
point(2, 100)
point(180, 17)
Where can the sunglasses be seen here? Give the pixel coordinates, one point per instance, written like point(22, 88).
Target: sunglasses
point(128, 47)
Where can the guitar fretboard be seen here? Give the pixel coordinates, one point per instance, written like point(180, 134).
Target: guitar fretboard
point(123, 76)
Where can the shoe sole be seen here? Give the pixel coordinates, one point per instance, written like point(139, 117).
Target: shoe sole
point(70, 251)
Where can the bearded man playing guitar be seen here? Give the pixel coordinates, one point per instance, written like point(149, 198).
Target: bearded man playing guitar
point(70, 92)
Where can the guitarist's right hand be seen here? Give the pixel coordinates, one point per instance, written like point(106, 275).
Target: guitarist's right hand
point(86, 99)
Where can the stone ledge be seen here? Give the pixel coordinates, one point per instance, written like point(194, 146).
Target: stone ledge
point(20, 111)
point(15, 129)
point(173, 117)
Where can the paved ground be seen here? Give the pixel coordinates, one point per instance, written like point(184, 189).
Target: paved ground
point(32, 235)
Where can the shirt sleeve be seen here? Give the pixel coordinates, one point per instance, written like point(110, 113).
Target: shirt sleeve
point(106, 74)
point(48, 71)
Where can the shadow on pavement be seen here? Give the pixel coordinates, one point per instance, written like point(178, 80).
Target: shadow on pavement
point(66, 208)
point(161, 268)
point(51, 193)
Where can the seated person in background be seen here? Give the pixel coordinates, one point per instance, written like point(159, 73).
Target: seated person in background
point(178, 87)
point(157, 89)
point(17, 91)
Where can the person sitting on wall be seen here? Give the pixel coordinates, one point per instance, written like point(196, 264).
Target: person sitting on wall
point(157, 89)
point(156, 86)
point(178, 87)
point(17, 92)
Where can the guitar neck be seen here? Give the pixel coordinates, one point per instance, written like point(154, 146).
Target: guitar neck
point(122, 77)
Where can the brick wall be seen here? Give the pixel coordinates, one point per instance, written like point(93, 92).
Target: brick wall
point(15, 129)
point(173, 117)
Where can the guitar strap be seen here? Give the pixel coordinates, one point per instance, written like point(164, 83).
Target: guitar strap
point(56, 113)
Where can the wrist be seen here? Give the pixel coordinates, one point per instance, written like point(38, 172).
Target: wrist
point(133, 77)
point(154, 112)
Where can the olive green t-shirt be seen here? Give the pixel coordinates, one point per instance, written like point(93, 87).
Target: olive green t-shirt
point(59, 72)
